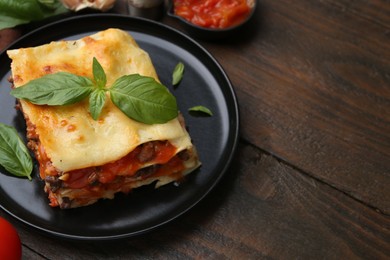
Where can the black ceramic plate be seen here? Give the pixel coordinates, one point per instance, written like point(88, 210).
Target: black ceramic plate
point(144, 209)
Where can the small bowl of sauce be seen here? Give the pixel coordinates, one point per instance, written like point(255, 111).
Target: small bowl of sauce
point(212, 19)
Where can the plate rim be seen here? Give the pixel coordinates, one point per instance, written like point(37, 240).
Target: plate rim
point(233, 135)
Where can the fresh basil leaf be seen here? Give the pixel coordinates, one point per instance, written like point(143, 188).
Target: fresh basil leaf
point(177, 74)
point(9, 22)
point(14, 156)
point(98, 74)
point(48, 3)
point(201, 109)
point(60, 88)
point(54, 8)
point(143, 99)
point(13, 13)
point(26, 9)
point(97, 99)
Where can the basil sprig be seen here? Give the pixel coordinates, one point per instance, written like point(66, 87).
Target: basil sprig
point(14, 156)
point(98, 74)
point(57, 89)
point(177, 74)
point(141, 98)
point(97, 99)
point(201, 109)
point(14, 13)
point(135, 94)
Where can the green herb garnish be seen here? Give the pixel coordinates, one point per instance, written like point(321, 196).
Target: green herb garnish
point(97, 99)
point(177, 74)
point(57, 89)
point(13, 13)
point(140, 98)
point(14, 156)
point(98, 74)
point(144, 99)
point(201, 109)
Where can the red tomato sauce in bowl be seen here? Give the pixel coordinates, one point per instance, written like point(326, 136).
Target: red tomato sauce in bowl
point(219, 14)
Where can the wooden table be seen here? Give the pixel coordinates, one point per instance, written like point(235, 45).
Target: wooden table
point(311, 176)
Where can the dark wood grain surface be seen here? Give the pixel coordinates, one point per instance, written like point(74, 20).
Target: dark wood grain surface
point(311, 176)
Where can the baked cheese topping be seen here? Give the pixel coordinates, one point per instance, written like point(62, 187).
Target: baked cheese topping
point(71, 138)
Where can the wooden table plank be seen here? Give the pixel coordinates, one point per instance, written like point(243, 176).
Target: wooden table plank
point(311, 176)
point(262, 208)
point(377, 11)
point(7, 36)
point(314, 88)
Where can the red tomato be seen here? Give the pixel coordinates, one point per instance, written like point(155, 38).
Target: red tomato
point(10, 246)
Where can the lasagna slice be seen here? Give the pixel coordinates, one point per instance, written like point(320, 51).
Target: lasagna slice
point(82, 160)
